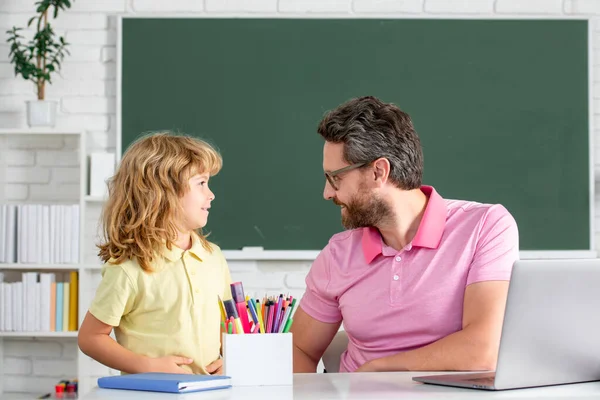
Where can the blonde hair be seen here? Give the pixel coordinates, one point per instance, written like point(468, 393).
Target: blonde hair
point(143, 208)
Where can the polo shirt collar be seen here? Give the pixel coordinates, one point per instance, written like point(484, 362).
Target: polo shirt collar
point(175, 253)
point(429, 234)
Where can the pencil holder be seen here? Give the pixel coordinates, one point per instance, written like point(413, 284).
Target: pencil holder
point(258, 359)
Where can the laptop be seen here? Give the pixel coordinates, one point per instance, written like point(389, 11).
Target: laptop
point(551, 329)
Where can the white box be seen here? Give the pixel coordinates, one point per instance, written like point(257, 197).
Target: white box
point(258, 359)
point(102, 167)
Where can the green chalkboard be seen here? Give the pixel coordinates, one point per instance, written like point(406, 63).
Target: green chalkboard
point(501, 107)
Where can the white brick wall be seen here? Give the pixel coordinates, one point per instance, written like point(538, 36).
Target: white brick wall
point(170, 6)
point(44, 168)
point(240, 6)
point(40, 168)
point(582, 6)
point(529, 6)
point(461, 7)
point(37, 365)
point(314, 6)
point(388, 6)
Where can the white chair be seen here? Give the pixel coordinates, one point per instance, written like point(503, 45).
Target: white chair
point(331, 356)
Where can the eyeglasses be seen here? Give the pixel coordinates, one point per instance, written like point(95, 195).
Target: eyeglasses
point(332, 175)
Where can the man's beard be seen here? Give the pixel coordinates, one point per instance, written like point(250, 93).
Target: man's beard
point(364, 210)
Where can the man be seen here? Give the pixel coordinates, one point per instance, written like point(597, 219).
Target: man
point(420, 282)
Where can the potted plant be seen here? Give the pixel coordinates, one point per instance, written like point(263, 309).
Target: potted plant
point(39, 59)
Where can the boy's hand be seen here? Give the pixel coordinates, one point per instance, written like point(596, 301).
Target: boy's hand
point(168, 364)
point(215, 367)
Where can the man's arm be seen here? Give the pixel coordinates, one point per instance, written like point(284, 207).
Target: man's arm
point(311, 338)
point(473, 348)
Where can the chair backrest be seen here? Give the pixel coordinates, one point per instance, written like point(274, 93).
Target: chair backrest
point(331, 357)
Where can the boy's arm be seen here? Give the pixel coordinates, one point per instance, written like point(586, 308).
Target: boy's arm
point(115, 297)
point(94, 341)
point(226, 295)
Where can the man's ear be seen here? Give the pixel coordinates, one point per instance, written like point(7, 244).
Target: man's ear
point(381, 170)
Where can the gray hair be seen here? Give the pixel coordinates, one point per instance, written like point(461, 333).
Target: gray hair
point(371, 129)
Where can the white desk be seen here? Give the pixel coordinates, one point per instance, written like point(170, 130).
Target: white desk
point(388, 385)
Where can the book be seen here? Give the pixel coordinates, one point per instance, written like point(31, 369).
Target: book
point(73, 297)
point(163, 382)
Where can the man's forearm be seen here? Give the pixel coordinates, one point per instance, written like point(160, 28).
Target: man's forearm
point(460, 351)
point(302, 362)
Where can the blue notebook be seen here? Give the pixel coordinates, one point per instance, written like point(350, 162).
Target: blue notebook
point(161, 382)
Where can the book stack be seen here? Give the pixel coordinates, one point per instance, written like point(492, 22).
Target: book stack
point(40, 302)
point(39, 233)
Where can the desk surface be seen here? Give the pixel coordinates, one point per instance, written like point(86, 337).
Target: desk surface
point(383, 385)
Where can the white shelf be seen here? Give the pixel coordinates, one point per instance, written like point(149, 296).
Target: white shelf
point(21, 396)
point(68, 267)
point(38, 131)
point(69, 334)
point(86, 290)
point(95, 199)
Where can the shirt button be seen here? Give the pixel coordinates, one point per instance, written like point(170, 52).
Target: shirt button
point(193, 272)
point(396, 277)
point(197, 291)
point(398, 258)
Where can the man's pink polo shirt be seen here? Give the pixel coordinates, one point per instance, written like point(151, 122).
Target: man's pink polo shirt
point(392, 301)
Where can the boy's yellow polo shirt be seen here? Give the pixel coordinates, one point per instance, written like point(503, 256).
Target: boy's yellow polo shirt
point(171, 311)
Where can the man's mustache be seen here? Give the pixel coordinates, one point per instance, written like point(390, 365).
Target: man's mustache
point(337, 203)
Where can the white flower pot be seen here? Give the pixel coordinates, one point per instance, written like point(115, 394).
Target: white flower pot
point(41, 113)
